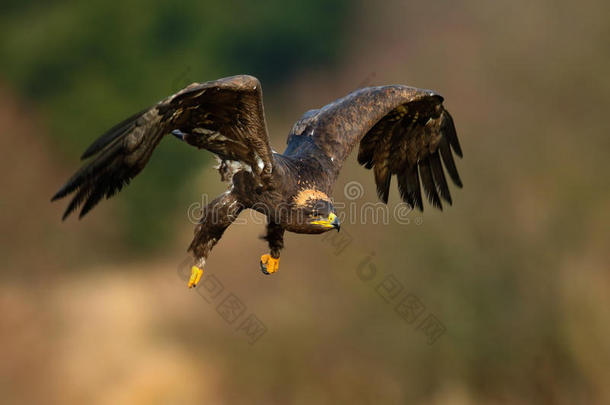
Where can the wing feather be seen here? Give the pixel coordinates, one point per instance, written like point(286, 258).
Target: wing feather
point(110, 135)
point(439, 177)
point(225, 116)
point(382, 180)
point(402, 131)
point(428, 182)
point(449, 162)
point(414, 188)
point(448, 129)
point(381, 164)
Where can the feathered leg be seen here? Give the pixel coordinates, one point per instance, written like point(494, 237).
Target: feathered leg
point(275, 237)
point(216, 218)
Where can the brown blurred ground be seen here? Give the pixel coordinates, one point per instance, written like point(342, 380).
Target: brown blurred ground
point(516, 270)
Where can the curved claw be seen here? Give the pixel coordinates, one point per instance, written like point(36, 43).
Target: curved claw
point(269, 265)
point(196, 274)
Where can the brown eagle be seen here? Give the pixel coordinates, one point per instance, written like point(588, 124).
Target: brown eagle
point(402, 131)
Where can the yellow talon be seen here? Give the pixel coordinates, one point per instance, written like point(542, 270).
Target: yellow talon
point(196, 274)
point(269, 265)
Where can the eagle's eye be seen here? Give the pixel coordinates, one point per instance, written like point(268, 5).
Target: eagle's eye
point(319, 208)
point(321, 214)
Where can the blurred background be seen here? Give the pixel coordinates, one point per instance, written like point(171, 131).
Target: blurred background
point(514, 276)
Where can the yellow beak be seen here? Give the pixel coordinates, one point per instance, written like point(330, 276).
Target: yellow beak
point(331, 222)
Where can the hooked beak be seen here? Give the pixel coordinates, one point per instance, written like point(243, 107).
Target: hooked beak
point(331, 222)
point(335, 222)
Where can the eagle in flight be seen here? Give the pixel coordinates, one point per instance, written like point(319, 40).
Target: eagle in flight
point(401, 130)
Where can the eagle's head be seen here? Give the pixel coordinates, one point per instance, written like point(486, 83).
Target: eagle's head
point(316, 212)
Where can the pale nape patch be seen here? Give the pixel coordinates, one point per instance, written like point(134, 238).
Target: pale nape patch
point(309, 194)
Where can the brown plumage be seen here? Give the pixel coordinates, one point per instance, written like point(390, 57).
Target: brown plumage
point(401, 131)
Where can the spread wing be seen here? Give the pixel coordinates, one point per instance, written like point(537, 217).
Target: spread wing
point(224, 116)
point(402, 131)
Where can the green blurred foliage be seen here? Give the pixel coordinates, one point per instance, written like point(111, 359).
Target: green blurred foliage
point(87, 65)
